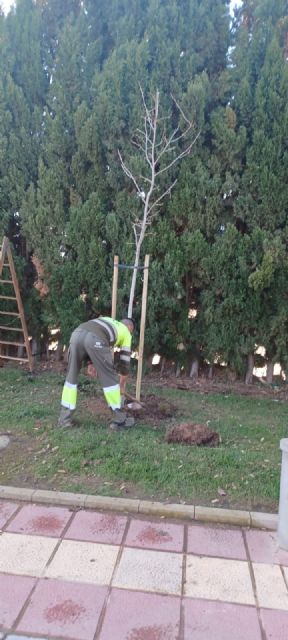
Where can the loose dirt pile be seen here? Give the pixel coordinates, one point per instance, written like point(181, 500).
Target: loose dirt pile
point(155, 409)
point(193, 434)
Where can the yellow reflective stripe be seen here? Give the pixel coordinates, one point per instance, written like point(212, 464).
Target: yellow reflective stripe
point(69, 395)
point(113, 397)
point(123, 335)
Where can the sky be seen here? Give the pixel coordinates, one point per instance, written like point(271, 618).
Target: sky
point(6, 4)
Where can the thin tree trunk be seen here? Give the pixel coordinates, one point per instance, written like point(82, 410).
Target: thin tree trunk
point(270, 371)
point(178, 370)
point(20, 350)
point(59, 351)
point(194, 371)
point(133, 282)
point(163, 363)
point(250, 367)
point(35, 349)
point(210, 373)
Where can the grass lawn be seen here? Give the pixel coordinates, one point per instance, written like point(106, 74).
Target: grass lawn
point(138, 463)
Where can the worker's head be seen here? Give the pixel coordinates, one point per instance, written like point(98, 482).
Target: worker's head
point(129, 324)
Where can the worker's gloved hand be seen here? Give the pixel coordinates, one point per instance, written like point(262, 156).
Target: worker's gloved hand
point(91, 371)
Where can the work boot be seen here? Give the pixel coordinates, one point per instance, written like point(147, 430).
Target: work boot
point(120, 421)
point(65, 418)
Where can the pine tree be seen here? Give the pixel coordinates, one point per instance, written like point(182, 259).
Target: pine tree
point(262, 200)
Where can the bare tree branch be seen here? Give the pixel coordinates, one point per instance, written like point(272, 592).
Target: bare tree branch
point(129, 174)
point(145, 179)
point(166, 193)
point(181, 155)
point(153, 143)
point(181, 110)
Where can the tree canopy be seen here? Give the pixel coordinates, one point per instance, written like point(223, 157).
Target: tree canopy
point(69, 100)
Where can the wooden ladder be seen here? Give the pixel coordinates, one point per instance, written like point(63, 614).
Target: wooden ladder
point(9, 280)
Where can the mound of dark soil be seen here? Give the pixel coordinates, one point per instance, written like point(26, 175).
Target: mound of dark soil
point(193, 434)
point(155, 409)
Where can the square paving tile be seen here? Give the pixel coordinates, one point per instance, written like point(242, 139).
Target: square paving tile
point(6, 511)
point(40, 520)
point(97, 527)
point(140, 616)
point(59, 608)
point(219, 620)
point(84, 562)
point(263, 547)
point(28, 555)
point(14, 591)
point(275, 624)
point(218, 579)
point(154, 535)
point(271, 588)
point(214, 541)
point(150, 571)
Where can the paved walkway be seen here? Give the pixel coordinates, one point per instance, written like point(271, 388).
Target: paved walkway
point(86, 575)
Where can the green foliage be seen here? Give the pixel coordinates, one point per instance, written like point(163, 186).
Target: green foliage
point(69, 99)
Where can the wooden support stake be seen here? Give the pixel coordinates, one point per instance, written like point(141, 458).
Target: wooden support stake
point(142, 328)
point(115, 287)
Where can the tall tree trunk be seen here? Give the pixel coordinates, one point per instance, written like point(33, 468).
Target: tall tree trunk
point(163, 363)
point(270, 371)
point(194, 371)
point(59, 351)
point(178, 370)
point(35, 349)
point(250, 367)
point(20, 350)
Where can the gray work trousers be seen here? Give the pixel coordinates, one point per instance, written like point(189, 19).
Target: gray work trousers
point(84, 343)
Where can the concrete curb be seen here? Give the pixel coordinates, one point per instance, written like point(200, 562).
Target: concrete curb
point(144, 507)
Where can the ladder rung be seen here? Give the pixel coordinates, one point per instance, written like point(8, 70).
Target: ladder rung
point(9, 313)
point(6, 281)
point(15, 344)
point(6, 264)
point(7, 328)
point(10, 358)
point(7, 298)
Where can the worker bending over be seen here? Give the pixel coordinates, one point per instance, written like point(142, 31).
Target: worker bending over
point(93, 340)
